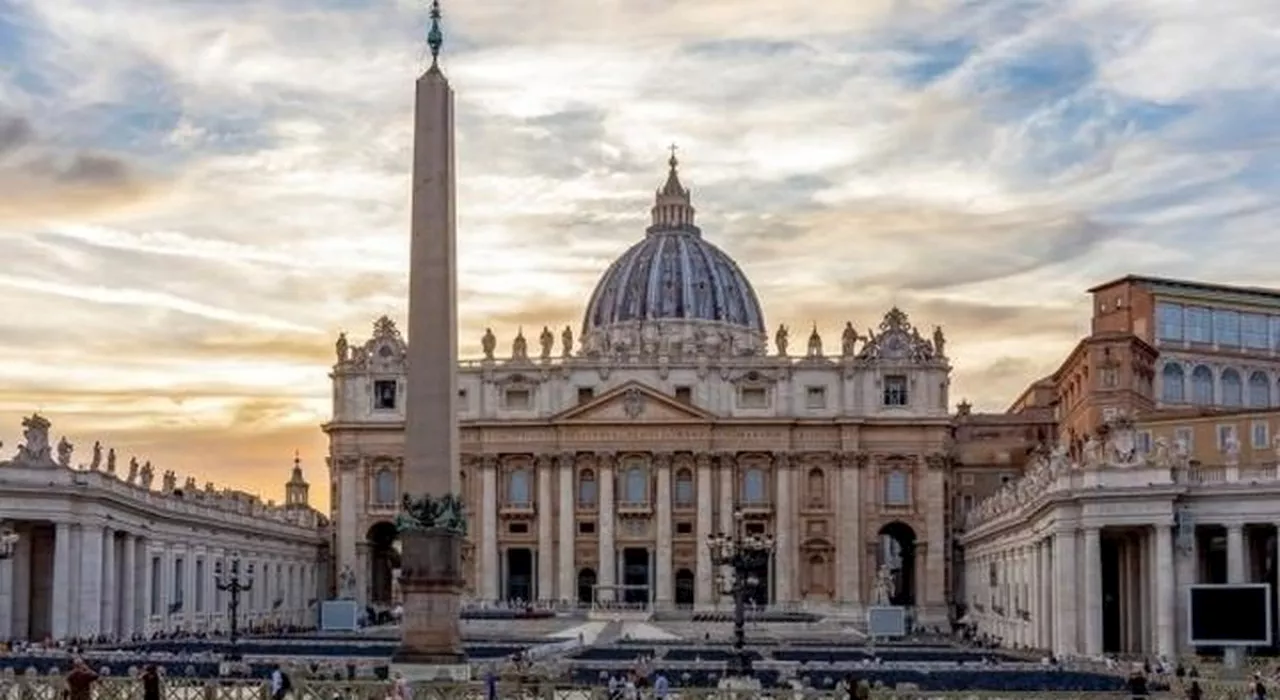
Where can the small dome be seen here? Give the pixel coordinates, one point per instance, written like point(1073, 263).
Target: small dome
point(675, 278)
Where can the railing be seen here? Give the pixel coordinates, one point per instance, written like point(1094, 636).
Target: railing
point(52, 687)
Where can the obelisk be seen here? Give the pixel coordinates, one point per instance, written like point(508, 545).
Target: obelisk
point(431, 560)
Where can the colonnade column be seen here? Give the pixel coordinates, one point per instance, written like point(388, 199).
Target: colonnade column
point(1092, 591)
point(110, 594)
point(7, 598)
point(546, 538)
point(1064, 592)
point(704, 577)
point(1234, 656)
point(784, 561)
point(606, 573)
point(1166, 644)
point(662, 568)
point(89, 587)
point(1188, 573)
point(568, 529)
point(488, 573)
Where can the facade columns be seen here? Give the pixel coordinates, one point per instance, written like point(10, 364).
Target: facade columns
point(1092, 591)
point(704, 577)
point(1064, 592)
point(785, 561)
point(61, 591)
point(665, 577)
point(568, 529)
point(488, 573)
point(1166, 605)
point(7, 598)
point(849, 547)
point(727, 526)
point(546, 538)
point(89, 587)
point(1188, 573)
point(606, 554)
point(110, 594)
point(1234, 656)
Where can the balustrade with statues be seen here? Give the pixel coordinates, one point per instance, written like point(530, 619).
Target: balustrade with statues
point(138, 568)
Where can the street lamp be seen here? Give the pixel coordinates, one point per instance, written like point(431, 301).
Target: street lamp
point(234, 583)
point(8, 541)
point(742, 555)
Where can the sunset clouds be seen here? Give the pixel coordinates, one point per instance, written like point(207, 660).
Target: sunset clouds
point(195, 197)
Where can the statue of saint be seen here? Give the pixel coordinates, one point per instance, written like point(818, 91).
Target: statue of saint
point(347, 583)
point(939, 342)
point(488, 342)
point(848, 340)
point(133, 470)
point(547, 341)
point(566, 341)
point(884, 586)
point(111, 460)
point(815, 343)
point(65, 449)
point(780, 340)
point(342, 349)
point(520, 347)
point(1232, 447)
point(96, 462)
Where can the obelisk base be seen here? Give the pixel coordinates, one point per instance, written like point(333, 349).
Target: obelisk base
point(431, 583)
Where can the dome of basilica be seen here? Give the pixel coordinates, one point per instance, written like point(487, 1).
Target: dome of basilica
point(674, 285)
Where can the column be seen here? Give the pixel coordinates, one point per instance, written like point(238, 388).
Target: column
point(90, 583)
point(110, 593)
point(60, 592)
point(488, 573)
point(1234, 656)
point(704, 577)
point(1188, 573)
point(849, 549)
point(546, 530)
point(662, 570)
point(568, 530)
point(189, 597)
point(785, 547)
point(1166, 605)
point(143, 608)
point(1092, 591)
point(606, 575)
point(1064, 592)
point(726, 493)
point(7, 602)
point(166, 585)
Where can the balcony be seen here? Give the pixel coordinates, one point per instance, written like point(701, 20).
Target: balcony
point(756, 508)
point(634, 508)
point(518, 509)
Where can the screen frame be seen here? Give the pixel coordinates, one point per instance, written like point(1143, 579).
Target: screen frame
point(1266, 602)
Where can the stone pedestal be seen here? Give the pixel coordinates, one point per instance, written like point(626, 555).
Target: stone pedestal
point(431, 582)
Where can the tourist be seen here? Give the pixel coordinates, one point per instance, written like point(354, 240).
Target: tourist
point(1194, 692)
point(1137, 684)
point(1259, 688)
point(281, 684)
point(660, 686)
point(150, 683)
point(80, 681)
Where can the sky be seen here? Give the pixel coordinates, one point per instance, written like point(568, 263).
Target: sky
point(196, 196)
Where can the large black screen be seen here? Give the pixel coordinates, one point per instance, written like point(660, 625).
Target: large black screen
point(1230, 615)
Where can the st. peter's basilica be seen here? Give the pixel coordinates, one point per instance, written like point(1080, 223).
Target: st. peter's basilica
point(595, 467)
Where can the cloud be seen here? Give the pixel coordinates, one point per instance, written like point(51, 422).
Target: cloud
point(196, 197)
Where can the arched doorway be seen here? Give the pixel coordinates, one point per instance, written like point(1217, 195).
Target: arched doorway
point(684, 587)
point(897, 551)
point(383, 561)
point(586, 586)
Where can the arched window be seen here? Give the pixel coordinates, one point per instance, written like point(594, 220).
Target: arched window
point(817, 487)
point(587, 488)
point(384, 487)
point(753, 487)
point(895, 489)
point(519, 490)
point(1173, 383)
point(636, 486)
point(1259, 390)
point(1202, 386)
point(684, 488)
point(1232, 389)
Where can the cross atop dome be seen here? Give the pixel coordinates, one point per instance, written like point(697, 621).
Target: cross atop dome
point(672, 208)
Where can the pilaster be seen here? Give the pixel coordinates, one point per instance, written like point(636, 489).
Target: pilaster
point(664, 575)
point(546, 532)
point(704, 577)
point(567, 567)
point(488, 573)
point(784, 508)
point(849, 544)
point(606, 551)
point(1092, 592)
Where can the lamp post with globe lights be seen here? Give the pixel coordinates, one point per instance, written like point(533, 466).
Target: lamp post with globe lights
point(739, 555)
point(233, 582)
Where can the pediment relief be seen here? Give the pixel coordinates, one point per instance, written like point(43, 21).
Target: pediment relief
point(633, 402)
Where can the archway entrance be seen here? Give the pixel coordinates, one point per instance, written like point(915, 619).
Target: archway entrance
point(519, 583)
point(897, 552)
point(383, 561)
point(635, 575)
point(684, 587)
point(586, 586)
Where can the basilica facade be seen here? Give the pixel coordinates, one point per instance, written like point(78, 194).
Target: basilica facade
point(596, 467)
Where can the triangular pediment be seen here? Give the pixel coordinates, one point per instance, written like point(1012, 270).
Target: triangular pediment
point(633, 402)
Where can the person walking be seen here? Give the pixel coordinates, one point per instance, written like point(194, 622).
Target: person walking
point(150, 683)
point(80, 681)
point(281, 684)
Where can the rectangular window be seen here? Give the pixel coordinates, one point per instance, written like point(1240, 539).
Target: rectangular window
point(815, 397)
point(1261, 434)
point(895, 390)
point(585, 394)
point(586, 527)
point(1254, 331)
point(178, 581)
point(1184, 436)
point(1169, 321)
point(966, 480)
point(966, 504)
point(895, 489)
point(684, 394)
point(1275, 332)
point(517, 399)
point(1225, 434)
point(1226, 328)
point(1144, 442)
point(1198, 324)
point(684, 527)
point(384, 395)
point(518, 528)
point(157, 587)
point(754, 528)
point(753, 397)
point(1109, 376)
